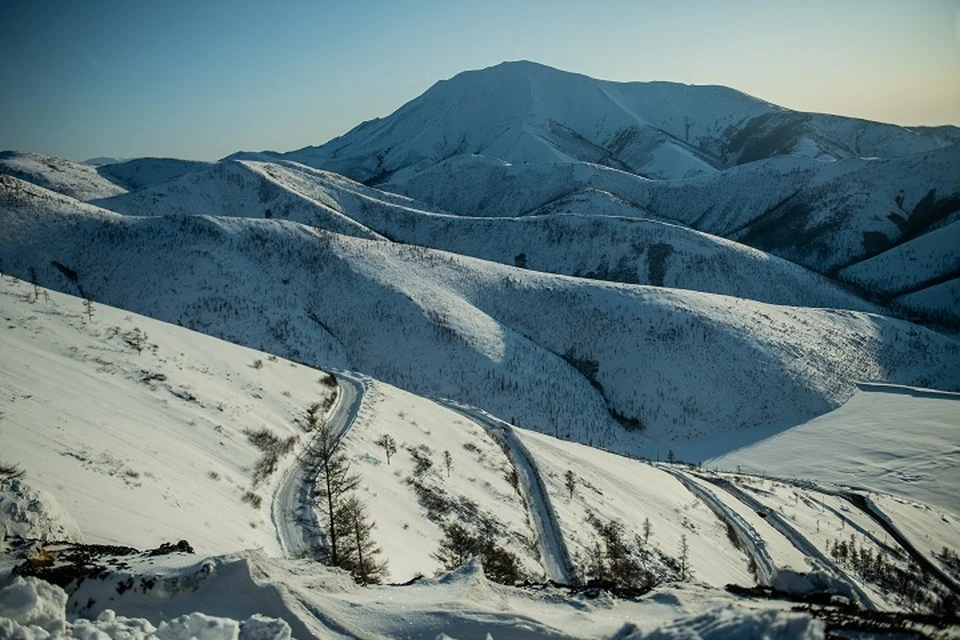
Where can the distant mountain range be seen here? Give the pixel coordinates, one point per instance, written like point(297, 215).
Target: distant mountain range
point(616, 263)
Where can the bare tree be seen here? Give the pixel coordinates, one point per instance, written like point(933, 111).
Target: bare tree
point(326, 459)
point(359, 553)
point(33, 280)
point(647, 528)
point(135, 339)
point(570, 480)
point(684, 558)
point(389, 445)
point(88, 308)
point(447, 461)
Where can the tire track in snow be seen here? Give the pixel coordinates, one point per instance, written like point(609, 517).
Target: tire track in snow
point(291, 511)
point(553, 549)
point(869, 507)
point(798, 540)
point(751, 540)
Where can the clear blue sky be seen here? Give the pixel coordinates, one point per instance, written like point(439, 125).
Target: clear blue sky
point(204, 78)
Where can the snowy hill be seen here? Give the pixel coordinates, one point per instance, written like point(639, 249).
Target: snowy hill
point(243, 189)
point(144, 172)
point(563, 355)
point(75, 179)
point(631, 250)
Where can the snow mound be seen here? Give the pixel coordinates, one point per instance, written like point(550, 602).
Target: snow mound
point(31, 609)
point(731, 622)
point(33, 605)
point(34, 514)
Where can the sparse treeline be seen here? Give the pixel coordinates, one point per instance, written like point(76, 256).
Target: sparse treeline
point(349, 541)
point(632, 564)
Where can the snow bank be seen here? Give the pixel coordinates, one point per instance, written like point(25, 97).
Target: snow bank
point(731, 622)
point(35, 514)
point(31, 609)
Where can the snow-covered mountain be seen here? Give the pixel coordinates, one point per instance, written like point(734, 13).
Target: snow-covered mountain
point(521, 139)
point(75, 179)
point(526, 112)
point(513, 276)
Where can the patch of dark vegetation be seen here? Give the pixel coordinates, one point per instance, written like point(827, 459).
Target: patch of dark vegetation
point(149, 377)
point(167, 548)
point(894, 624)
point(11, 471)
point(625, 271)
point(272, 447)
point(468, 531)
point(912, 585)
point(183, 394)
point(657, 256)
point(629, 566)
point(822, 598)
point(587, 368)
point(68, 273)
point(950, 561)
point(842, 618)
point(328, 380)
point(770, 134)
point(69, 564)
point(459, 545)
point(630, 424)
point(253, 499)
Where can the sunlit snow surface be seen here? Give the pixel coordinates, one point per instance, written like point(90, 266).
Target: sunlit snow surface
point(898, 440)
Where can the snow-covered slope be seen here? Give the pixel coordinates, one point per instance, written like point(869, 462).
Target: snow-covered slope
point(75, 179)
point(821, 215)
point(147, 446)
point(604, 247)
point(138, 427)
point(631, 250)
point(913, 271)
point(145, 172)
point(243, 189)
point(563, 355)
point(887, 438)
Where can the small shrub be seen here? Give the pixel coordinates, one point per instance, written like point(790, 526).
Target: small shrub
point(421, 459)
point(11, 472)
point(273, 449)
point(328, 380)
point(257, 364)
point(252, 499)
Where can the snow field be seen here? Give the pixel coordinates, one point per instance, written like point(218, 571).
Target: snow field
point(892, 439)
point(149, 447)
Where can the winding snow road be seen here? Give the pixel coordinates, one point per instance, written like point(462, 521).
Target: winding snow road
point(292, 512)
point(553, 549)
